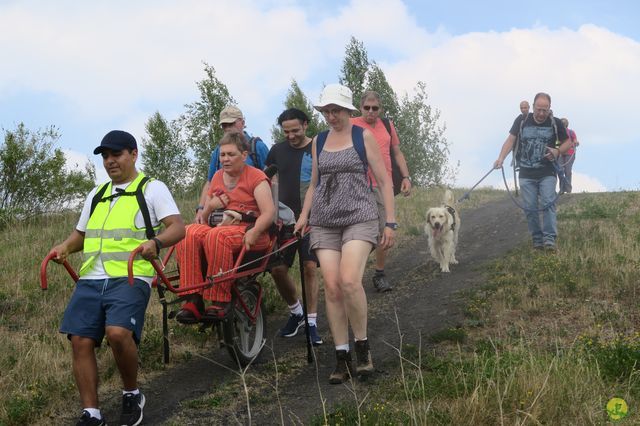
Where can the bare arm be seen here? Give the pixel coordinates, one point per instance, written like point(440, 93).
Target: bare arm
point(73, 243)
point(404, 169)
point(174, 232)
point(263, 197)
point(385, 186)
point(204, 197)
point(506, 149)
point(308, 197)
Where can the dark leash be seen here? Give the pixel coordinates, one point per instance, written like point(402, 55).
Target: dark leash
point(561, 177)
point(466, 194)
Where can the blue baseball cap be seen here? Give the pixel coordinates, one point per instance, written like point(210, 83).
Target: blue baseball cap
point(116, 140)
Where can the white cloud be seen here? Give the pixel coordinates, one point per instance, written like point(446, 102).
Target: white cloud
point(478, 79)
point(119, 61)
point(584, 183)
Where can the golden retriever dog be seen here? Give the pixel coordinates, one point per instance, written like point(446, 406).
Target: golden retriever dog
point(443, 224)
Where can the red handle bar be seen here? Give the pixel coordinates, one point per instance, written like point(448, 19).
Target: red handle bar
point(43, 270)
point(153, 262)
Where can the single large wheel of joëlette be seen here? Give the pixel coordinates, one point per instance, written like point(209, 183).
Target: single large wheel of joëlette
point(243, 338)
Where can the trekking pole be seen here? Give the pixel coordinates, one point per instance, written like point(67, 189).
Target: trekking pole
point(466, 194)
point(304, 305)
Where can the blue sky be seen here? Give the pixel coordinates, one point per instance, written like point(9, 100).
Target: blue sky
point(89, 67)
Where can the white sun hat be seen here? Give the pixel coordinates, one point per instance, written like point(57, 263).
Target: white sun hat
point(336, 94)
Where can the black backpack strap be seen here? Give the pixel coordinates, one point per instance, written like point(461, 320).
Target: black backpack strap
point(144, 209)
point(97, 197)
point(387, 125)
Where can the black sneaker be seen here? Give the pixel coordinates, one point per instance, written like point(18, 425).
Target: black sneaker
point(132, 406)
point(316, 340)
point(292, 326)
point(342, 372)
point(87, 420)
point(381, 284)
point(364, 365)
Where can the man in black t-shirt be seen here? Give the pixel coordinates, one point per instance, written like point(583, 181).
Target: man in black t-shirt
point(293, 159)
point(534, 137)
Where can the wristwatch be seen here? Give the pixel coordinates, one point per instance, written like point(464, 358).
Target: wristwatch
point(392, 225)
point(407, 178)
point(200, 207)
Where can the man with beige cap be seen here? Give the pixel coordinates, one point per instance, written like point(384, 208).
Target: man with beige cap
point(232, 120)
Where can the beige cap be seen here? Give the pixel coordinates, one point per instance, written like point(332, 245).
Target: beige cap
point(230, 114)
point(336, 94)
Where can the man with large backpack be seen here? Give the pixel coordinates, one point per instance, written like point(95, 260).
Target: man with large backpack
point(394, 161)
point(118, 217)
point(232, 120)
point(532, 138)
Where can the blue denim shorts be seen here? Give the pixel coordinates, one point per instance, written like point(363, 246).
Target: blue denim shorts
point(96, 304)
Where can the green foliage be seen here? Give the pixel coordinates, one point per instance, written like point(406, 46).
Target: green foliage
point(422, 140)
point(618, 359)
point(355, 66)
point(33, 176)
point(199, 123)
point(297, 99)
point(165, 154)
point(377, 81)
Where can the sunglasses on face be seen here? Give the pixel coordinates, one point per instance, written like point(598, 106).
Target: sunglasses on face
point(373, 108)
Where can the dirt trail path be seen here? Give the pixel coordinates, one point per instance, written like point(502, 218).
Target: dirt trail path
point(425, 301)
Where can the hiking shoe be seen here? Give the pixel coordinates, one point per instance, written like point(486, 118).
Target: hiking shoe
point(87, 420)
point(342, 372)
point(294, 323)
point(316, 340)
point(550, 248)
point(132, 406)
point(364, 365)
point(381, 284)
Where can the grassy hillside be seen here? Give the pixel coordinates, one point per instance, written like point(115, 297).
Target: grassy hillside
point(550, 339)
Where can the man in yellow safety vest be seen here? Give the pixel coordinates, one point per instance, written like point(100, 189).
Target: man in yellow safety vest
point(118, 217)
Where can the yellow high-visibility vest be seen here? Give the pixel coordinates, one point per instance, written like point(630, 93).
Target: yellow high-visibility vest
point(112, 235)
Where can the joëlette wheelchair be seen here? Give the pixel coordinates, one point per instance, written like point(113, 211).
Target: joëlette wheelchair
point(243, 329)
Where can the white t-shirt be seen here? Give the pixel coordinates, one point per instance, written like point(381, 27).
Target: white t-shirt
point(160, 204)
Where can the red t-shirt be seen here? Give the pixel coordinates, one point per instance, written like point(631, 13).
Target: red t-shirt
point(241, 198)
point(384, 139)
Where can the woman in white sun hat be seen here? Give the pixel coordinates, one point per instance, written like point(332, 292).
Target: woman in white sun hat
point(341, 210)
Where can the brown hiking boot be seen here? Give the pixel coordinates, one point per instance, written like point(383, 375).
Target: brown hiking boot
point(364, 365)
point(342, 372)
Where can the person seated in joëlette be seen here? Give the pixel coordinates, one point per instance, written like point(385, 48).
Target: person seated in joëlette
point(206, 249)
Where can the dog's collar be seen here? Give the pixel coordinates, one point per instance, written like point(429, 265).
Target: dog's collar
point(452, 212)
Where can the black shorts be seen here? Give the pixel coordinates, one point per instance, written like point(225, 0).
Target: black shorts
point(288, 255)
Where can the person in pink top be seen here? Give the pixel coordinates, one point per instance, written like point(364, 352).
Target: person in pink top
point(567, 159)
point(371, 107)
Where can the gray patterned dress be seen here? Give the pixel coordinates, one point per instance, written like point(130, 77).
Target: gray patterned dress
point(343, 196)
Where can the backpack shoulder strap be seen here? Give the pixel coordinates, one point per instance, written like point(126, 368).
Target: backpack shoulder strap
point(97, 197)
point(387, 125)
point(144, 209)
point(254, 154)
point(357, 136)
point(320, 141)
